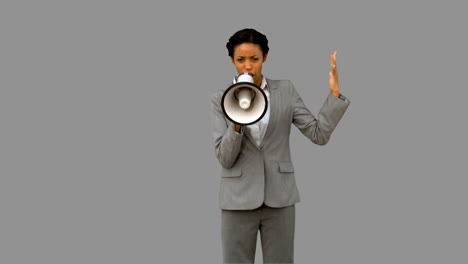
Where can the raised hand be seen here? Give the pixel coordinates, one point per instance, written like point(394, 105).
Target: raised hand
point(333, 79)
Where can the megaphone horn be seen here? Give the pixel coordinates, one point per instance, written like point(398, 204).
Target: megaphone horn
point(244, 103)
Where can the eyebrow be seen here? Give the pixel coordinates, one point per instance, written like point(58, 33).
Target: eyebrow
point(250, 56)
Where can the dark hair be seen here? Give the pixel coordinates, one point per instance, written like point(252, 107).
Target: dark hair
point(247, 35)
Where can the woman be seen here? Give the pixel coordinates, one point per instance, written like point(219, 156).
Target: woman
point(258, 188)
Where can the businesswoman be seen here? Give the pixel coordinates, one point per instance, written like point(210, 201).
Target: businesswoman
point(257, 184)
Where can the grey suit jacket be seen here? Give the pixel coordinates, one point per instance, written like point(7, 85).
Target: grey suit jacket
point(252, 174)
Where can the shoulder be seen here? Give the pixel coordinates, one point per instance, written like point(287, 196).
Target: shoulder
point(216, 97)
point(282, 85)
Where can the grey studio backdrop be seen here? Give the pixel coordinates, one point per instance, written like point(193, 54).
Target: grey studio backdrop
point(106, 149)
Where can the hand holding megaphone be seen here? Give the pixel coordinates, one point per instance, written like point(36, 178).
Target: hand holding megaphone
point(244, 103)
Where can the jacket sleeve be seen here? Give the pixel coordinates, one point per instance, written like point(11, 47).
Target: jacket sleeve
point(318, 130)
point(227, 141)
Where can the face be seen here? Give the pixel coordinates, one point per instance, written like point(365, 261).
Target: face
point(248, 57)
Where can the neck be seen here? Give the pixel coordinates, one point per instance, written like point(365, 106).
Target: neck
point(259, 80)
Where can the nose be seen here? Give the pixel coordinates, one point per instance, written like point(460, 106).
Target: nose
point(247, 66)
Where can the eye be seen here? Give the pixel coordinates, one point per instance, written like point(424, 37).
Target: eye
point(240, 59)
point(255, 59)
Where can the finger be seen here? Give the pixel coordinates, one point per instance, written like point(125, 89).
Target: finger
point(333, 60)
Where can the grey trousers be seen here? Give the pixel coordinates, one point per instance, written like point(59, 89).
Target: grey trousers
point(239, 234)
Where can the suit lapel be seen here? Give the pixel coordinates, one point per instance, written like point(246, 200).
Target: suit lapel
point(249, 136)
point(273, 110)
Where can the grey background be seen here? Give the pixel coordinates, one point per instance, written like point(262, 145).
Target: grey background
point(106, 151)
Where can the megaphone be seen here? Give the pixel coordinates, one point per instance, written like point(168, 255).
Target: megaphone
point(244, 102)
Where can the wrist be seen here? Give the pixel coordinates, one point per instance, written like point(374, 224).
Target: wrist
point(335, 93)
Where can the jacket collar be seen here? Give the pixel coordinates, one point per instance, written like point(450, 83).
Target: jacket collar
point(271, 84)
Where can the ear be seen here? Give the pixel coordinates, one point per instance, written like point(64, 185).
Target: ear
point(232, 60)
point(265, 57)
